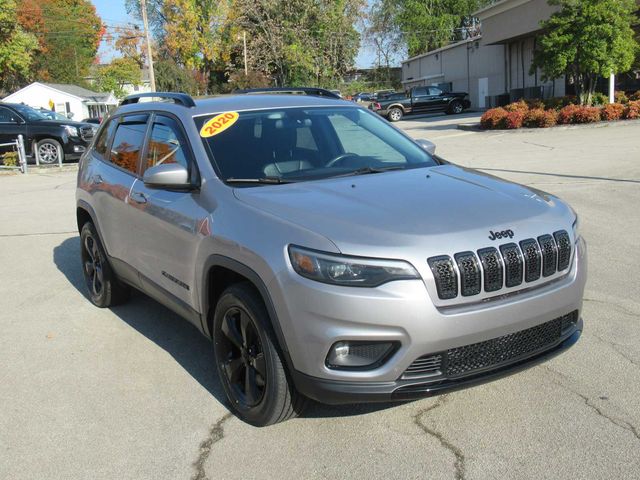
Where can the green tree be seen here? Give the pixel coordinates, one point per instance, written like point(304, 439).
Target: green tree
point(16, 48)
point(113, 77)
point(586, 39)
point(69, 33)
point(429, 24)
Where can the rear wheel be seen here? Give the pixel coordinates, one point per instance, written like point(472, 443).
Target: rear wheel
point(104, 288)
point(395, 114)
point(455, 107)
point(249, 362)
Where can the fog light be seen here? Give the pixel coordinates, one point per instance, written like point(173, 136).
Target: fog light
point(359, 355)
point(78, 148)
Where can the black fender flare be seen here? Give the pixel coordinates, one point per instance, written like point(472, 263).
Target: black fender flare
point(82, 205)
point(247, 272)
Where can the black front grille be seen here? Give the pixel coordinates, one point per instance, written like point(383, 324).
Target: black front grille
point(509, 265)
point(532, 259)
point(492, 266)
point(469, 273)
point(549, 255)
point(445, 276)
point(512, 264)
point(564, 249)
point(494, 353)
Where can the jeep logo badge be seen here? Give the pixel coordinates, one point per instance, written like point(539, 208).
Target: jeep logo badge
point(503, 234)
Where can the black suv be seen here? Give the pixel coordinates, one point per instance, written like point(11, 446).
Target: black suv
point(51, 140)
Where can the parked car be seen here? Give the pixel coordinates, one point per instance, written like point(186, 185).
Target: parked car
point(362, 97)
point(285, 228)
point(93, 120)
point(421, 100)
point(51, 140)
point(51, 115)
point(381, 93)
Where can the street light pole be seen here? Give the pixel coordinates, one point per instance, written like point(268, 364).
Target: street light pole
point(152, 77)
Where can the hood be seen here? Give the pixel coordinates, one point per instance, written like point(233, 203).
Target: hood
point(443, 208)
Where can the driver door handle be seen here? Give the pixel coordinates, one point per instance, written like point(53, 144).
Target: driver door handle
point(138, 197)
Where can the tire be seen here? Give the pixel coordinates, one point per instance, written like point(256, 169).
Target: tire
point(395, 114)
point(48, 151)
point(249, 361)
point(104, 288)
point(455, 108)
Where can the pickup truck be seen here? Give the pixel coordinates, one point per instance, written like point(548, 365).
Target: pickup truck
point(420, 100)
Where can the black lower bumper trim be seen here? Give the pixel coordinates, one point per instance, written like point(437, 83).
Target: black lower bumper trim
point(338, 392)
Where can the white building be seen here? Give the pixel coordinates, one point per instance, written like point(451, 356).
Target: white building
point(71, 100)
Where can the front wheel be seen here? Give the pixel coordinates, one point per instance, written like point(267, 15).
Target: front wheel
point(249, 362)
point(455, 107)
point(395, 114)
point(49, 151)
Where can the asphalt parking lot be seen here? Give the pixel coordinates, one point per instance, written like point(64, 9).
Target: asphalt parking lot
point(131, 393)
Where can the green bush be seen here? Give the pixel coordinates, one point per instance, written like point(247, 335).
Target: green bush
point(620, 97)
point(599, 99)
point(10, 159)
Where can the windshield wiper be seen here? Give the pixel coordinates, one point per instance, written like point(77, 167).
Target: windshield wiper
point(368, 170)
point(264, 180)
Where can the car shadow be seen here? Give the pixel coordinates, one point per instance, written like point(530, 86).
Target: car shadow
point(178, 337)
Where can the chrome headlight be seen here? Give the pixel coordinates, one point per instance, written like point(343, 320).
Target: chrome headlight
point(71, 131)
point(338, 269)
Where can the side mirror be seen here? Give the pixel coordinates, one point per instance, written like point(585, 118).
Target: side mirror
point(167, 175)
point(430, 147)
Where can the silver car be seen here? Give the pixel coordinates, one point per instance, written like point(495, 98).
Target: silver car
point(326, 253)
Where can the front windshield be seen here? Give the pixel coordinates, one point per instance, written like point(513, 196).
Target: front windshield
point(297, 144)
point(29, 113)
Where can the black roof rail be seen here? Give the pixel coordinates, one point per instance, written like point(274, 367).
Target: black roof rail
point(179, 98)
point(314, 91)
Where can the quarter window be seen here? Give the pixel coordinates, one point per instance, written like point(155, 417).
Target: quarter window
point(128, 142)
point(166, 144)
point(7, 116)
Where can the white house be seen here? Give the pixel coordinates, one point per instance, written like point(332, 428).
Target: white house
point(71, 100)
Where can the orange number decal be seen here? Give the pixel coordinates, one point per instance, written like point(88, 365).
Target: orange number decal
point(218, 124)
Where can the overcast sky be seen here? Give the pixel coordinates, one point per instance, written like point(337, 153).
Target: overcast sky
point(113, 13)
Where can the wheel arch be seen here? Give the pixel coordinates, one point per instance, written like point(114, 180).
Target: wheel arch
point(220, 272)
point(397, 105)
point(84, 214)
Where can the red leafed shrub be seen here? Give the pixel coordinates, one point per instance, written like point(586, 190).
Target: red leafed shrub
point(493, 118)
point(566, 114)
point(635, 96)
point(612, 111)
point(535, 103)
point(540, 118)
point(519, 106)
point(632, 111)
point(586, 114)
point(514, 119)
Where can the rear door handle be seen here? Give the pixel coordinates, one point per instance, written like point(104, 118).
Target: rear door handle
point(138, 197)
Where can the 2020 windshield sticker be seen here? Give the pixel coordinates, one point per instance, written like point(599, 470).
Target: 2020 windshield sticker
point(218, 124)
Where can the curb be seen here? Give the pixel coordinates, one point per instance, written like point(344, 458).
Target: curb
point(475, 127)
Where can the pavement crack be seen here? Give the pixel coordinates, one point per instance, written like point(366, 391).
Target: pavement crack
point(618, 348)
point(37, 234)
point(595, 408)
point(626, 310)
point(216, 433)
point(455, 450)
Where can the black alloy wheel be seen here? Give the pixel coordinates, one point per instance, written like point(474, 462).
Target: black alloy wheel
point(242, 357)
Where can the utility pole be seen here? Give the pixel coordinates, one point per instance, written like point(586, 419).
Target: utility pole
point(152, 77)
point(244, 41)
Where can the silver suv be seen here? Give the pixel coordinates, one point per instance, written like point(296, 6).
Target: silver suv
point(326, 254)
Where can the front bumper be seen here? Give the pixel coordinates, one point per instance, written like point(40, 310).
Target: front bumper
point(337, 392)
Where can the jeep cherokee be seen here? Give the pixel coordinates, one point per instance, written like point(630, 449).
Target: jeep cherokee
point(325, 253)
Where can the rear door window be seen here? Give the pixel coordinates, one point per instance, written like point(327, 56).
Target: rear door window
point(128, 142)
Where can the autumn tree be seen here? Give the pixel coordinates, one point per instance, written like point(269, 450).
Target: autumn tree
point(69, 34)
point(429, 24)
point(129, 41)
point(587, 39)
point(16, 48)
point(114, 76)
